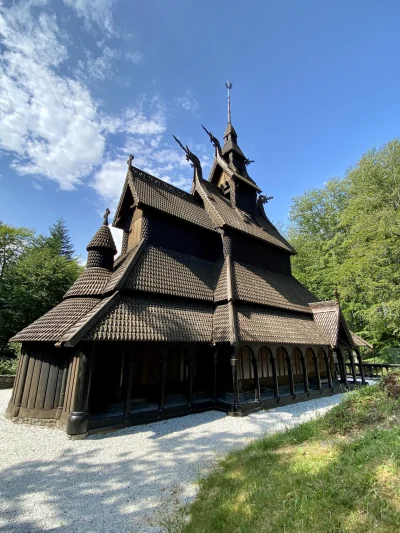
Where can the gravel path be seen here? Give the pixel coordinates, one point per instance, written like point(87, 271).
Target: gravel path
point(120, 482)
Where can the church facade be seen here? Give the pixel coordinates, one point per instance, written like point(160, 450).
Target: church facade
point(199, 311)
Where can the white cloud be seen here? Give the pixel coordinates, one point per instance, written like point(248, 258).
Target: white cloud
point(134, 120)
point(95, 13)
point(188, 102)
point(48, 122)
point(135, 57)
point(36, 185)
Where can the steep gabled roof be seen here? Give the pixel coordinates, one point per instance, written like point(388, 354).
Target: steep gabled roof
point(153, 192)
point(329, 317)
point(224, 214)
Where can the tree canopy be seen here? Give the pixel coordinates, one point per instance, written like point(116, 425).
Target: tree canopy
point(347, 235)
point(35, 273)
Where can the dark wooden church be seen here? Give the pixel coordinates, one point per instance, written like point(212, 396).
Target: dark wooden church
point(200, 311)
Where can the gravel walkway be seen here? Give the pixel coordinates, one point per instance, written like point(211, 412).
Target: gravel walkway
point(121, 481)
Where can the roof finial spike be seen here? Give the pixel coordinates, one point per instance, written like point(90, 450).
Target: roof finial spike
point(130, 159)
point(105, 218)
point(229, 86)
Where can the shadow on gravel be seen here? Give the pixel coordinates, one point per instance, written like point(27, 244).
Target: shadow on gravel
point(114, 482)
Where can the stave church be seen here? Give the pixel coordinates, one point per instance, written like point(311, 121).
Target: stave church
point(199, 311)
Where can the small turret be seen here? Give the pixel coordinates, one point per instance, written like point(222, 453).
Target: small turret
point(102, 247)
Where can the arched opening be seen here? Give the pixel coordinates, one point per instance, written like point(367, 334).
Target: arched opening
point(268, 375)
point(300, 373)
point(247, 375)
point(313, 369)
point(326, 368)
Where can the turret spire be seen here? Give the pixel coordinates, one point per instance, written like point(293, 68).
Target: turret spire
point(229, 86)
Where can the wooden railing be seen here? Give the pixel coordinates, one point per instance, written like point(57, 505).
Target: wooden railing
point(371, 370)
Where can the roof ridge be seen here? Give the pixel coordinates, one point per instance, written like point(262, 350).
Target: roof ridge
point(159, 182)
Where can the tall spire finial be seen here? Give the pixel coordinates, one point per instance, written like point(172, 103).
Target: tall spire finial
point(229, 86)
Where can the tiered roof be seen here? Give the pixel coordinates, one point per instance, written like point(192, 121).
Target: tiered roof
point(153, 293)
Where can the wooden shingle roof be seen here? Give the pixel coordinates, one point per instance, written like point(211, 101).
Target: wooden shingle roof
point(52, 326)
point(102, 239)
point(224, 214)
point(265, 287)
point(153, 192)
point(147, 319)
point(163, 271)
point(270, 325)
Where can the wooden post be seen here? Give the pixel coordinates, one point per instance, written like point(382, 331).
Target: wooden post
point(254, 360)
point(163, 377)
point(129, 382)
point(328, 370)
point(317, 372)
point(274, 377)
point(361, 365)
point(290, 375)
point(353, 367)
point(63, 387)
point(78, 419)
point(342, 367)
point(215, 363)
point(233, 361)
point(190, 366)
point(21, 384)
point(305, 374)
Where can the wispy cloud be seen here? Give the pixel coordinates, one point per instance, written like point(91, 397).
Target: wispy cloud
point(95, 14)
point(188, 102)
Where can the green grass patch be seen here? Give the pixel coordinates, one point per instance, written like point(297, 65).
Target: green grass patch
point(337, 474)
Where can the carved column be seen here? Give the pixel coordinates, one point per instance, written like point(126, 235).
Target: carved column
point(342, 366)
point(274, 377)
point(305, 373)
point(254, 361)
point(190, 368)
point(290, 375)
point(361, 365)
point(79, 417)
point(215, 363)
point(317, 371)
point(353, 367)
point(328, 370)
point(163, 377)
point(234, 361)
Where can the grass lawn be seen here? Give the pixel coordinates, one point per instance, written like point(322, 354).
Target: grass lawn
point(339, 473)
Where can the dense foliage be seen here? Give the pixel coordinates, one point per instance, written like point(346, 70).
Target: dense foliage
point(35, 273)
point(347, 235)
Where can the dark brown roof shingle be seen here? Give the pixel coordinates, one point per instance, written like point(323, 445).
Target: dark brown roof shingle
point(266, 287)
point(145, 319)
point(169, 272)
point(91, 282)
point(52, 325)
point(102, 239)
point(262, 325)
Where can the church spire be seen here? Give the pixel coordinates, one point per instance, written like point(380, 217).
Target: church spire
point(229, 86)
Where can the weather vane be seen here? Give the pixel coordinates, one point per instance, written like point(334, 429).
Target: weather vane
point(229, 86)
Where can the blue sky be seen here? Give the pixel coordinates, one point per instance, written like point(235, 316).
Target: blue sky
point(83, 83)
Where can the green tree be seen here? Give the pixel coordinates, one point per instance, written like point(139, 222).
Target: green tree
point(59, 240)
point(347, 234)
point(36, 273)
